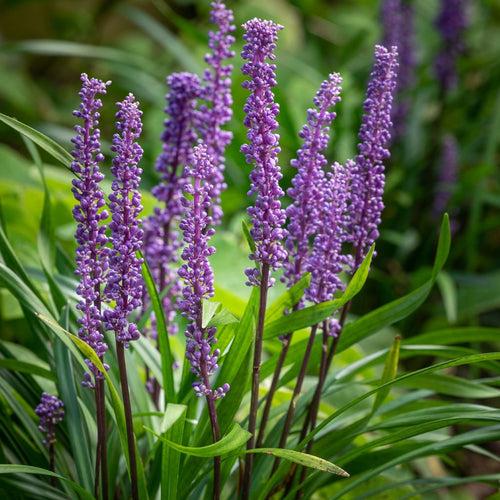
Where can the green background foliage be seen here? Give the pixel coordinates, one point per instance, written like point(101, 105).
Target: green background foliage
point(425, 430)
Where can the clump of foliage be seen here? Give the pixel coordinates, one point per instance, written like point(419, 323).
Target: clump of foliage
point(147, 378)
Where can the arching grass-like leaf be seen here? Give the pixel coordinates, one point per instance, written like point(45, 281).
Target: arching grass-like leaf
point(315, 314)
point(167, 360)
point(27, 469)
point(234, 439)
point(302, 459)
point(46, 143)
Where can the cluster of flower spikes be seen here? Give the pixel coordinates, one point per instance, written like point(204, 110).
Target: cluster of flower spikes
point(327, 260)
point(367, 172)
point(197, 272)
point(262, 151)
point(124, 280)
point(161, 241)
point(451, 23)
point(307, 185)
point(90, 233)
point(50, 410)
point(398, 23)
point(216, 110)
point(447, 175)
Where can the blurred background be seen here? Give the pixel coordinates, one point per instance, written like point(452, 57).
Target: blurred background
point(46, 44)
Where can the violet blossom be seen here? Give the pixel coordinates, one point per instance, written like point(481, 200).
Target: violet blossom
point(161, 241)
point(451, 23)
point(306, 191)
point(398, 25)
point(124, 281)
point(90, 232)
point(447, 175)
point(216, 92)
point(197, 273)
point(50, 410)
point(263, 148)
point(367, 171)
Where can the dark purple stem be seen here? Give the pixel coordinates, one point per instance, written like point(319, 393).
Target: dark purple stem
point(296, 391)
point(257, 356)
point(120, 352)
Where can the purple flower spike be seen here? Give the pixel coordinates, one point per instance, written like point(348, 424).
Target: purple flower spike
point(90, 232)
point(161, 243)
point(262, 151)
point(197, 272)
point(368, 177)
point(124, 283)
point(398, 23)
point(447, 176)
point(306, 191)
point(327, 261)
point(50, 410)
point(217, 94)
point(451, 24)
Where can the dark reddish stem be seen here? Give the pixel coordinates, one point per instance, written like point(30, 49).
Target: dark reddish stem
point(272, 390)
point(52, 463)
point(120, 351)
point(296, 391)
point(312, 416)
point(216, 436)
point(254, 403)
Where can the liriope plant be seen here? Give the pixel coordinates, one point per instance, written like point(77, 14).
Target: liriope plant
point(145, 381)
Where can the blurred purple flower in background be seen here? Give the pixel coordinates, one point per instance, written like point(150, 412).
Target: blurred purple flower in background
point(399, 31)
point(217, 109)
point(451, 23)
point(263, 148)
point(447, 175)
point(50, 410)
point(90, 232)
point(124, 280)
point(367, 171)
point(161, 238)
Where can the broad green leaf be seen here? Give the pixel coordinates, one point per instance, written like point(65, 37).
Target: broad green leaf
point(23, 367)
point(390, 371)
point(488, 434)
point(209, 310)
point(46, 143)
point(302, 459)
point(234, 439)
point(73, 416)
point(461, 361)
point(248, 236)
point(315, 314)
point(400, 308)
point(456, 336)
point(27, 469)
point(172, 430)
point(288, 299)
point(449, 293)
point(167, 360)
point(453, 386)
